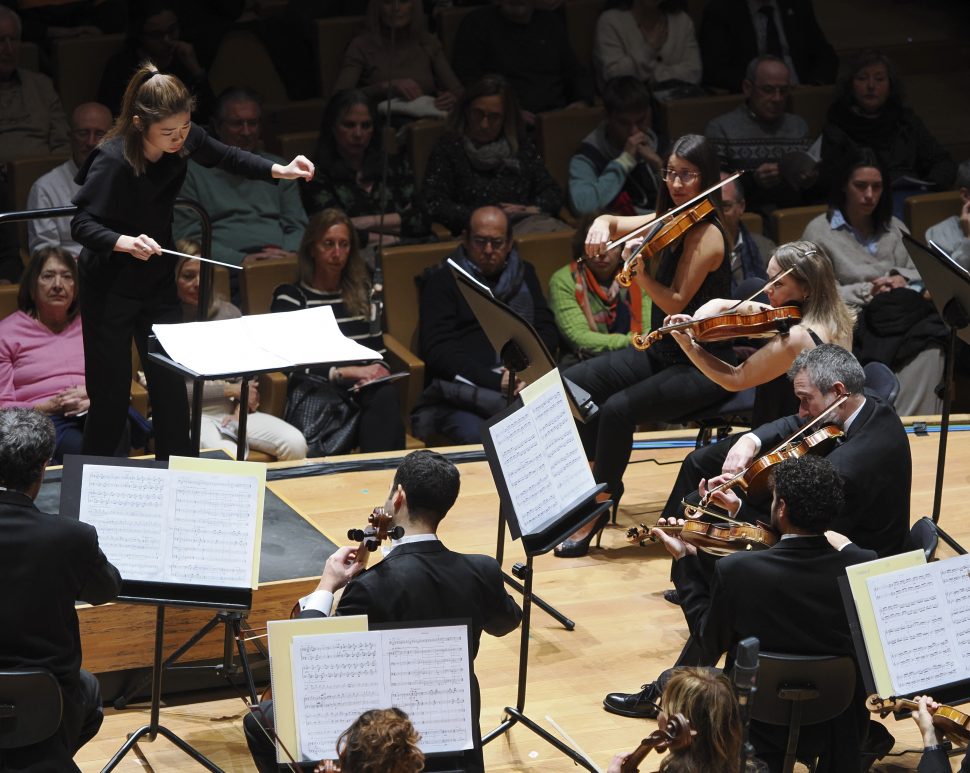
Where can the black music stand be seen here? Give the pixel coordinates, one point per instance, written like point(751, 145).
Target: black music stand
point(948, 284)
point(522, 352)
point(556, 528)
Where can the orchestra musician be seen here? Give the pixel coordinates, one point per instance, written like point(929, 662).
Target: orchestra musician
point(632, 386)
point(934, 759)
point(420, 579)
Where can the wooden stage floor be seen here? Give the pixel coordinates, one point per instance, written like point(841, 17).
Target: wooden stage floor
point(625, 632)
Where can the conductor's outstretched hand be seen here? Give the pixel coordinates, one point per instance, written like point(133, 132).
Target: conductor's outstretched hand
point(300, 168)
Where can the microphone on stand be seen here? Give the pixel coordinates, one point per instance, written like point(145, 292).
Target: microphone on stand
point(745, 675)
point(377, 297)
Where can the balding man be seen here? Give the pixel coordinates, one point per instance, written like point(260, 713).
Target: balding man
point(90, 121)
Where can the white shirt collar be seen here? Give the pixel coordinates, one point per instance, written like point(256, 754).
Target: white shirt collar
point(408, 539)
point(848, 421)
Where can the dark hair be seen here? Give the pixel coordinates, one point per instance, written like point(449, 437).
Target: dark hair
point(327, 156)
point(826, 364)
point(812, 490)
point(234, 94)
point(489, 86)
point(963, 175)
point(844, 93)
point(26, 301)
point(430, 482)
point(698, 151)
point(380, 741)
point(26, 445)
point(626, 94)
point(859, 158)
point(354, 281)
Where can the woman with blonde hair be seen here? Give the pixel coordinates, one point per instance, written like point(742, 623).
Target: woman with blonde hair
point(128, 188)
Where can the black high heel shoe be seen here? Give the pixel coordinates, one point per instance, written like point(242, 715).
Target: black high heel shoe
point(580, 547)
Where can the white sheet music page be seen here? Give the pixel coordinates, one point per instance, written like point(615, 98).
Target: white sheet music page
point(923, 617)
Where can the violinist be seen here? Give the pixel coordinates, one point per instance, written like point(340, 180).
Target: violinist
point(772, 595)
point(825, 318)
point(661, 384)
point(934, 759)
point(418, 580)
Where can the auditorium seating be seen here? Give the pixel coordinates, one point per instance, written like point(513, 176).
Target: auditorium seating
point(559, 134)
point(787, 225)
point(21, 174)
point(928, 209)
point(547, 253)
point(78, 65)
point(447, 21)
point(812, 103)
point(421, 137)
point(333, 37)
point(242, 60)
point(678, 117)
point(8, 300)
point(293, 143)
point(581, 16)
point(259, 279)
point(753, 222)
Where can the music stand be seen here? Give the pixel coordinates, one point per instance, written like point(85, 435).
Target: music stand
point(523, 353)
point(948, 284)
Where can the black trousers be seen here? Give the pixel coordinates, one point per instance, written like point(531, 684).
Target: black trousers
point(381, 428)
point(701, 464)
point(110, 322)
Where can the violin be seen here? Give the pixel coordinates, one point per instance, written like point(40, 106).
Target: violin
point(946, 719)
point(716, 539)
point(756, 479)
point(674, 733)
point(722, 327)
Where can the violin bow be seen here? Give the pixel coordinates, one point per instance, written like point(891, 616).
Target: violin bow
point(767, 284)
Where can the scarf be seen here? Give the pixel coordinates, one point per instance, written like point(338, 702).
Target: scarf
point(491, 157)
point(623, 312)
point(509, 287)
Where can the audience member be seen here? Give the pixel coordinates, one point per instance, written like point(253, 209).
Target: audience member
point(617, 166)
point(750, 250)
point(935, 758)
point(485, 158)
point(220, 399)
point(47, 564)
point(332, 273)
point(89, 123)
point(652, 40)
point(154, 36)
point(953, 234)
point(530, 48)
point(32, 121)
point(413, 68)
point(868, 111)
point(733, 32)
point(759, 133)
point(864, 241)
point(351, 177)
point(593, 312)
point(468, 382)
point(11, 264)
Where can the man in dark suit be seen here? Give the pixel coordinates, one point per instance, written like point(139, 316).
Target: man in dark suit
point(420, 579)
point(733, 32)
point(47, 563)
point(934, 758)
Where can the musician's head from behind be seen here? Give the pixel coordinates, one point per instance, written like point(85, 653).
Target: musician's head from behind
point(425, 487)
point(487, 239)
point(330, 259)
point(822, 375)
point(707, 701)
point(26, 446)
point(691, 167)
point(380, 741)
point(807, 495)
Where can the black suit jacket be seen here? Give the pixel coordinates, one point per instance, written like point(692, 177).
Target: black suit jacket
point(728, 41)
point(937, 762)
point(876, 466)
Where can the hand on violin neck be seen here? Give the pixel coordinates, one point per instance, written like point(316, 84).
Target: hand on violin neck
point(923, 716)
point(340, 569)
point(674, 544)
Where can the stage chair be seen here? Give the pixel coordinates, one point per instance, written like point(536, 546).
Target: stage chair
point(754, 222)
point(927, 209)
point(79, 64)
point(333, 37)
point(581, 16)
point(559, 134)
point(812, 104)
point(422, 136)
point(258, 281)
point(547, 253)
point(799, 690)
point(30, 707)
point(787, 225)
point(242, 60)
point(923, 536)
point(691, 116)
point(881, 380)
point(447, 22)
point(8, 300)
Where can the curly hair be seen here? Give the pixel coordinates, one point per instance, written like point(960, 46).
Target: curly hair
point(812, 490)
point(380, 741)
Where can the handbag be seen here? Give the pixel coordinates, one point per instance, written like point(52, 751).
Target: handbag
point(326, 416)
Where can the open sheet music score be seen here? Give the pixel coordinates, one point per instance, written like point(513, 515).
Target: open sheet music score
point(425, 672)
point(196, 523)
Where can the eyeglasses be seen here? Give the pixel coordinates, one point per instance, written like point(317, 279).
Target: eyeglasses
point(685, 176)
point(239, 123)
point(769, 91)
point(83, 134)
point(477, 116)
point(483, 241)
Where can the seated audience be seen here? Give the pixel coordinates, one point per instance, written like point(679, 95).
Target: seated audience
point(349, 159)
point(757, 134)
point(530, 48)
point(733, 32)
point(863, 239)
point(89, 123)
point(593, 312)
point(868, 112)
point(617, 167)
point(652, 40)
point(485, 158)
point(468, 382)
point(750, 250)
point(414, 68)
point(332, 273)
point(32, 121)
point(935, 758)
point(154, 35)
point(953, 234)
point(47, 564)
point(220, 399)
point(41, 352)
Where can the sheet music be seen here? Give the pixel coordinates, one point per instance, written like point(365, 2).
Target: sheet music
point(923, 618)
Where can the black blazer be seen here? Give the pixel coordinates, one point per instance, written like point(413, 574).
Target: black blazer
point(937, 762)
point(728, 41)
point(876, 466)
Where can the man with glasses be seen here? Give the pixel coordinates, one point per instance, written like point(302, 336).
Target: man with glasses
point(90, 121)
point(468, 382)
point(759, 132)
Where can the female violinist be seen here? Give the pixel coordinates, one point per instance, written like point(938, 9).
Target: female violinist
point(661, 384)
point(825, 318)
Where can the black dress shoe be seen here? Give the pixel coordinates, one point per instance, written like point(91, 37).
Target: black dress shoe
point(640, 704)
point(672, 596)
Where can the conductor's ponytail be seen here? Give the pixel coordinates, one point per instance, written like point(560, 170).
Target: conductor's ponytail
point(152, 96)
